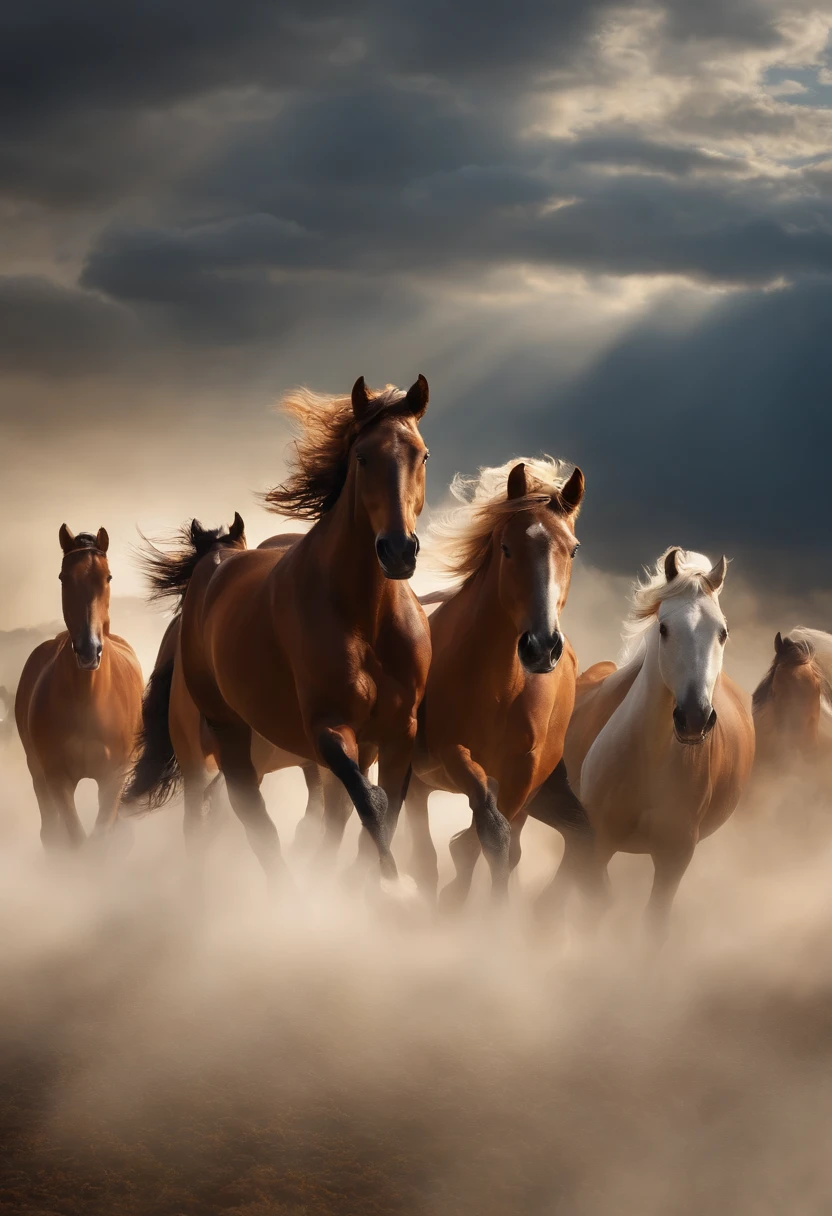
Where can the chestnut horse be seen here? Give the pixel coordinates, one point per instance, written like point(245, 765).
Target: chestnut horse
point(79, 700)
point(179, 747)
point(661, 749)
point(322, 650)
point(793, 703)
point(502, 681)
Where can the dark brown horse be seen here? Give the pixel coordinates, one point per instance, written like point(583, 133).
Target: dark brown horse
point(323, 649)
point(78, 704)
point(179, 748)
point(502, 680)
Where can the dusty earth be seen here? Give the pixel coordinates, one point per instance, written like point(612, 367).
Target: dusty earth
point(332, 1054)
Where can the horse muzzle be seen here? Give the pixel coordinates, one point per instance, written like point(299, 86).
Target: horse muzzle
point(539, 655)
point(88, 654)
point(692, 726)
point(397, 553)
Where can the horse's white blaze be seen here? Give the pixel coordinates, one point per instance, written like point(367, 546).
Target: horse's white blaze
point(549, 589)
point(691, 652)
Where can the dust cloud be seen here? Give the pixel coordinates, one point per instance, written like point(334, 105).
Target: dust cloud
point(334, 1052)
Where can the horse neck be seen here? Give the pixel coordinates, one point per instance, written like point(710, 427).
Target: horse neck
point(650, 700)
point(345, 542)
point(490, 630)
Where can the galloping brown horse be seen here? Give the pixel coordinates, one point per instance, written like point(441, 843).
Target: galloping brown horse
point(78, 704)
point(322, 649)
point(179, 747)
point(502, 680)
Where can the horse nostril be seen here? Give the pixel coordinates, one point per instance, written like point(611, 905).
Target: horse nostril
point(557, 647)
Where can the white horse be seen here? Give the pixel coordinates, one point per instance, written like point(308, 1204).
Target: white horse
point(660, 749)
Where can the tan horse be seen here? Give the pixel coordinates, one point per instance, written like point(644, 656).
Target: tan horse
point(660, 750)
point(180, 748)
point(793, 703)
point(78, 704)
point(502, 681)
point(322, 650)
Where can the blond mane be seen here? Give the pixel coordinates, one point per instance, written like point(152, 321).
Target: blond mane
point(319, 459)
point(460, 539)
point(650, 593)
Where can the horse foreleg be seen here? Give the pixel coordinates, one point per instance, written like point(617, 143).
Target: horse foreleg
point(515, 850)
point(492, 830)
point(242, 782)
point(670, 863)
point(109, 800)
point(309, 827)
point(424, 864)
point(337, 808)
point(584, 860)
point(338, 749)
point(52, 834)
point(62, 796)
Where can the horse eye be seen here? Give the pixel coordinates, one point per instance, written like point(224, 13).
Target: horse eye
point(723, 636)
point(505, 550)
point(425, 458)
point(574, 551)
point(663, 630)
point(109, 578)
point(362, 460)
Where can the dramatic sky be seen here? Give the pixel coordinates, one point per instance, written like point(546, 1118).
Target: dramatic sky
point(600, 231)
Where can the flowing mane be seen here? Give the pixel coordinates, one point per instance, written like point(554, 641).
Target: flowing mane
point(169, 572)
point(318, 464)
point(461, 538)
point(648, 595)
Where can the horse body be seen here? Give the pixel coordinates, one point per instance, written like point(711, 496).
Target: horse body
point(80, 721)
point(662, 749)
point(502, 682)
point(793, 703)
point(636, 768)
point(320, 649)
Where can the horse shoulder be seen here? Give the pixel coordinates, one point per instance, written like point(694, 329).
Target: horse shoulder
point(34, 668)
point(600, 692)
point(736, 720)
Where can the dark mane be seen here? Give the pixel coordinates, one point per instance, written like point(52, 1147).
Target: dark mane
point(795, 653)
point(319, 461)
point(169, 573)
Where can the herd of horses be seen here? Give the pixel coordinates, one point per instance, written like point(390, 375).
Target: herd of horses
point(312, 650)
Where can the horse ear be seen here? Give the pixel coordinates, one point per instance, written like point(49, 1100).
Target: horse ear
point(416, 401)
point(570, 495)
point(66, 538)
point(518, 482)
point(196, 531)
point(360, 400)
point(102, 540)
point(716, 575)
point(671, 564)
point(779, 644)
point(238, 529)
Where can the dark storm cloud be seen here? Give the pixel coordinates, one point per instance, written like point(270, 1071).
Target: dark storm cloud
point(715, 437)
point(476, 217)
point(280, 189)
